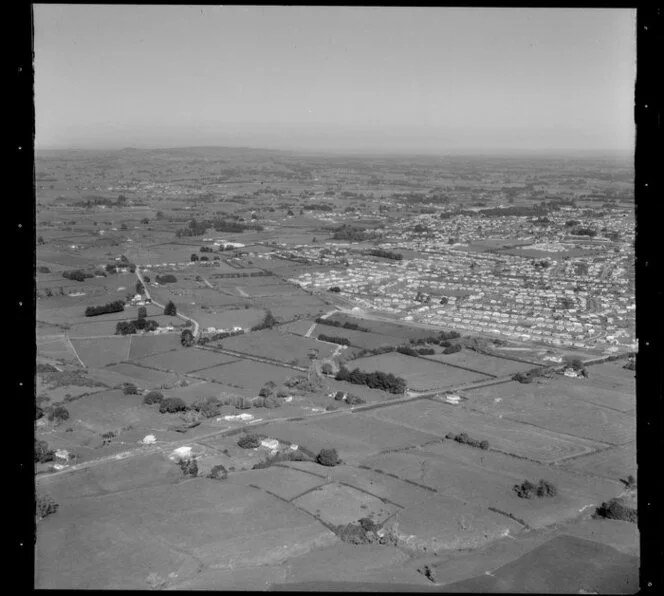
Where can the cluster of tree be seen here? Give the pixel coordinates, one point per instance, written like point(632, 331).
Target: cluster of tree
point(132, 327)
point(420, 228)
point(350, 398)
point(95, 201)
point(188, 466)
point(198, 228)
point(530, 375)
point(452, 349)
point(77, 275)
point(109, 307)
point(140, 288)
point(206, 249)
point(168, 278)
point(375, 380)
point(580, 231)
point(45, 506)
point(267, 323)
point(617, 509)
point(464, 439)
point(426, 351)
point(318, 207)
point(43, 453)
point(336, 289)
point(385, 254)
point(528, 490)
point(350, 233)
point(249, 441)
point(328, 457)
point(407, 350)
point(342, 341)
point(435, 339)
point(630, 364)
point(577, 365)
point(366, 531)
point(344, 325)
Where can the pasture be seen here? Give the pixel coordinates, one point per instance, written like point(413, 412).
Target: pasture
point(338, 504)
point(145, 345)
point(486, 479)
point(549, 405)
point(615, 463)
point(420, 374)
point(504, 435)
point(482, 363)
point(286, 483)
point(247, 374)
point(151, 530)
point(144, 377)
point(102, 351)
point(300, 327)
point(277, 345)
point(183, 360)
point(57, 349)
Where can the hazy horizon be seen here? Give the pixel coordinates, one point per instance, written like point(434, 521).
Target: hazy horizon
point(335, 80)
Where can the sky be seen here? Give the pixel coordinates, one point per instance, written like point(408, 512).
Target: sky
point(380, 79)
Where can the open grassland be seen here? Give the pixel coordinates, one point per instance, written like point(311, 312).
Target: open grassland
point(486, 479)
point(102, 351)
point(57, 349)
point(149, 530)
point(277, 345)
point(614, 463)
point(111, 410)
point(338, 504)
point(482, 363)
point(287, 308)
point(145, 345)
point(283, 482)
point(184, 360)
point(300, 327)
point(503, 435)
point(359, 339)
point(560, 566)
point(247, 374)
point(420, 374)
point(352, 435)
point(401, 333)
point(549, 405)
point(144, 377)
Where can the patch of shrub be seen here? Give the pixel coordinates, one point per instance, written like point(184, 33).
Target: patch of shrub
point(45, 506)
point(153, 397)
point(110, 307)
point(279, 457)
point(630, 482)
point(189, 466)
point(426, 351)
point(354, 400)
point(45, 368)
point(615, 509)
point(631, 364)
point(267, 323)
point(528, 490)
point(130, 389)
point(342, 341)
point(328, 457)
point(464, 439)
point(171, 405)
point(58, 413)
point(249, 442)
point(42, 452)
point(218, 472)
point(453, 349)
point(166, 279)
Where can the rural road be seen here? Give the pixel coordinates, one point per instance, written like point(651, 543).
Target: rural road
point(179, 315)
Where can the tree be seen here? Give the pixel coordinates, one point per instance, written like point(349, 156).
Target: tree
point(42, 452)
point(172, 405)
point(326, 368)
point(328, 457)
point(187, 338)
point(142, 312)
point(249, 442)
point(194, 257)
point(151, 325)
point(153, 397)
point(45, 506)
point(58, 414)
point(140, 288)
point(170, 309)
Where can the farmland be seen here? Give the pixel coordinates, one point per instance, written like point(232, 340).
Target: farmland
point(132, 517)
point(420, 374)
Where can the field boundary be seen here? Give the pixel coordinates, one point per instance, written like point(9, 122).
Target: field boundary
point(513, 517)
point(245, 356)
point(461, 367)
